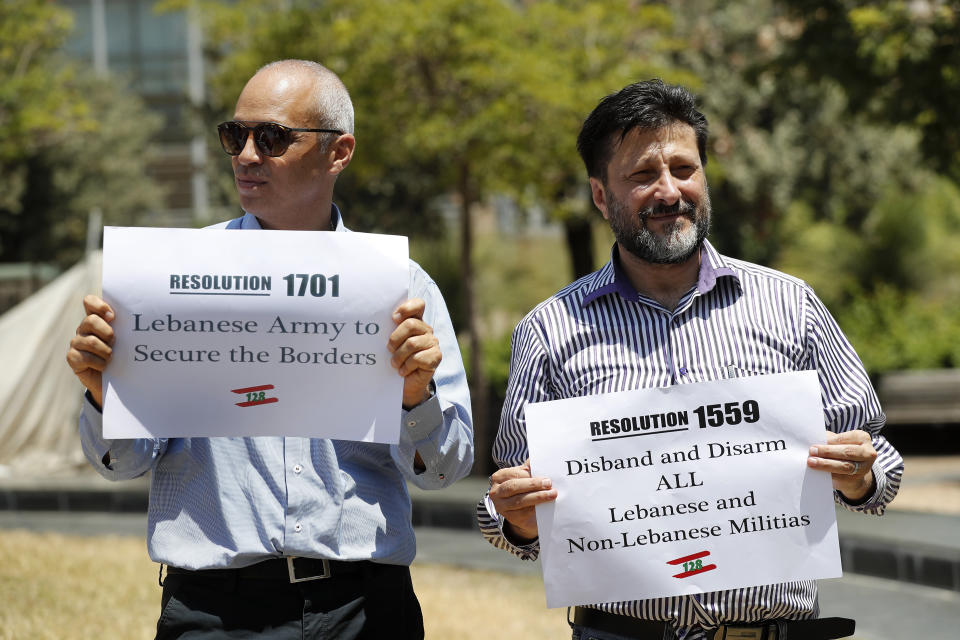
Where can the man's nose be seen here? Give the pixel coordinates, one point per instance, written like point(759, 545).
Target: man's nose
point(249, 154)
point(666, 189)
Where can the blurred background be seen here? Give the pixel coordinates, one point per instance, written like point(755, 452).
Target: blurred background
point(834, 151)
point(834, 155)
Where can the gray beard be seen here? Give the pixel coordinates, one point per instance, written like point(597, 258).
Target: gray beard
point(675, 245)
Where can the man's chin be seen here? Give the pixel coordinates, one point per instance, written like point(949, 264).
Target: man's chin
point(660, 253)
point(252, 203)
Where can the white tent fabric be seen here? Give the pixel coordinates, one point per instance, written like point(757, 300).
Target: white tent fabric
point(39, 395)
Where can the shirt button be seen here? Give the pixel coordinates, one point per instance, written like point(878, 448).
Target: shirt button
point(411, 423)
point(298, 527)
point(683, 371)
point(297, 468)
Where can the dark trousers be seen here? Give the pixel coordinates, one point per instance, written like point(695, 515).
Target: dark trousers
point(375, 602)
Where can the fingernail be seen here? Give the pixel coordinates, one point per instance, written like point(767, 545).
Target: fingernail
point(813, 451)
point(547, 483)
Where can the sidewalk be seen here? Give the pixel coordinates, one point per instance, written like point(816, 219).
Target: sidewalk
point(917, 541)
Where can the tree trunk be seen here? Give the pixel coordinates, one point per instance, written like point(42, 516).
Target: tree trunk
point(579, 236)
point(478, 381)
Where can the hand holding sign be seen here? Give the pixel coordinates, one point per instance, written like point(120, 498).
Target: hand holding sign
point(515, 494)
point(848, 457)
point(416, 351)
point(92, 347)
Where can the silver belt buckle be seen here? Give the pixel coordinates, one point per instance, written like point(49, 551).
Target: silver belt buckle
point(729, 632)
point(293, 574)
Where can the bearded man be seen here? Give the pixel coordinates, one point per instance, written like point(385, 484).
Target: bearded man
point(668, 309)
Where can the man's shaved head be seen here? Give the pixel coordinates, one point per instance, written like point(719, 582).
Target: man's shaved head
point(331, 102)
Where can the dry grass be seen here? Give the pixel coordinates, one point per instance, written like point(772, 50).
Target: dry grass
point(460, 604)
point(57, 587)
point(60, 587)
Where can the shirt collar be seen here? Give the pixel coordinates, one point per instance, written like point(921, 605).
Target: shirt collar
point(249, 221)
point(712, 266)
point(612, 279)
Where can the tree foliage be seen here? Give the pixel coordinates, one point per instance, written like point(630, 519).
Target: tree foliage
point(439, 85)
point(894, 329)
point(32, 109)
point(453, 99)
point(898, 60)
point(781, 138)
point(816, 171)
point(833, 134)
point(69, 141)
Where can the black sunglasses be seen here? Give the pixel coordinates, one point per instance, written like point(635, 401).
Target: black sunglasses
point(270, 138)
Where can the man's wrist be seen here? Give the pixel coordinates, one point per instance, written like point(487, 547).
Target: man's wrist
point(518, 538)
point(428, 392)
point(861, 494)
point(93, 401)
point(410, 405)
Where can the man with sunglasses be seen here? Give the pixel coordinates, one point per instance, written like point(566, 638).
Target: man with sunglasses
point(282, 537)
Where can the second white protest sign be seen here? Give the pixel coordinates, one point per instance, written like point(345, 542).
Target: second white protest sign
point(683, 490)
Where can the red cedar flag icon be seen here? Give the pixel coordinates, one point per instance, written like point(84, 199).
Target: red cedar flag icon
point(691, 558)
point(250, 403)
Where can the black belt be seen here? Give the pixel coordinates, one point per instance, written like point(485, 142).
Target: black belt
point(288, 569)
point(816, 629)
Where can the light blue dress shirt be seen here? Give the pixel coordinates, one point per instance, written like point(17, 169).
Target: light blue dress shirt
point(232, 502)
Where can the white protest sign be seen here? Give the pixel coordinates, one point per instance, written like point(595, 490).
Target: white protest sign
point(240, 333)
point(683, 490)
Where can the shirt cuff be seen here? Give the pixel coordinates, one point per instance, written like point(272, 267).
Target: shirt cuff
point(423, 419)
point(874, 503)
point(527, 551)
point(419, 428)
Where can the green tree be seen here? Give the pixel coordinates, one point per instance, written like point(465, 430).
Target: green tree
point(30, 103)
point(780, 136)
point(816, 171)
point(452, 98)
point(899, 61)
point(69, 142)
point(586, 49)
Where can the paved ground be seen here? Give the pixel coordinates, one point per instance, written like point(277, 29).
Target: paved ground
point(931, 484)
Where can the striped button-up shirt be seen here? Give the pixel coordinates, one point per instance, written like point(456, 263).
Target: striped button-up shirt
point(598, 335)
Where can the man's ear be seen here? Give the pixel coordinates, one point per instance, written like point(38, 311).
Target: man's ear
point(340, 152)
point(599, 196)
